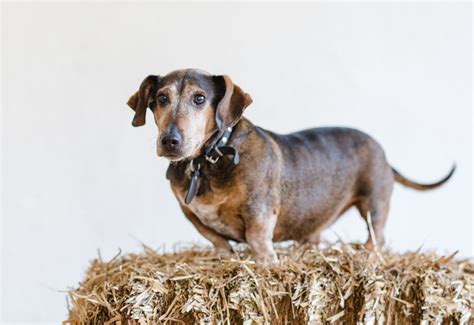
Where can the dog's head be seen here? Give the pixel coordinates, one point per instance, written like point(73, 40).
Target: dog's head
point(189, 106)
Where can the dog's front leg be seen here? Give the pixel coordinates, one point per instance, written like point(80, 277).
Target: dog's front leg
point(259, 235)
point(221, 245)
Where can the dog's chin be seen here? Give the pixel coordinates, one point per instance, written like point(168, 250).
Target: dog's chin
point(171, 156)
point(175, 156)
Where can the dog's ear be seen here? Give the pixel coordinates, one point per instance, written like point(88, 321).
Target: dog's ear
point(232, 102)
point(143, 99)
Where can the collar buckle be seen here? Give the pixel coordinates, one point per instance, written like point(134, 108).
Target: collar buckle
point(212, 159)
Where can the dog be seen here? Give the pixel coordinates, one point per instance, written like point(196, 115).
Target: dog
point(238, 182)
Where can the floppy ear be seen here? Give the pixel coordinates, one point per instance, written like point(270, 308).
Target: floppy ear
point(143, 99)
point(232, 104)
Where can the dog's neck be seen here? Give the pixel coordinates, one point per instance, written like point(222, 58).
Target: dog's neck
point(196, 172)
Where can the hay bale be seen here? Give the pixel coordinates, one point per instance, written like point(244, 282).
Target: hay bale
point(338, 284)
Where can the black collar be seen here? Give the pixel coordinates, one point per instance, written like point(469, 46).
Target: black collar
point(211, 155)
point(218, 149)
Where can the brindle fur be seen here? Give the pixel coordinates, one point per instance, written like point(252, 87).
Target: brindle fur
point(286, 187)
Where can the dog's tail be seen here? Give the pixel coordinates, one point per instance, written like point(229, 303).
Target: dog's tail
point(417, 186)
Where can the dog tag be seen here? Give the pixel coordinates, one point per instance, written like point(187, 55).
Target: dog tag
point(193, 186)
point(236, 158)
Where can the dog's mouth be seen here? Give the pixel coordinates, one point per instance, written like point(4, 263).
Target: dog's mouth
point(175, 155)
point(187, 151)
point(174, 158)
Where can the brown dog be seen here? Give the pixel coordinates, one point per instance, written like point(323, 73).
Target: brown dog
point(285, 187)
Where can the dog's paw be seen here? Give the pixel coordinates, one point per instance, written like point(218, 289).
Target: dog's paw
point(269, 260)
point(369, 245)
point(223, 252)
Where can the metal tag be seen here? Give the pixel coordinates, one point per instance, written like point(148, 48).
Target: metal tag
point(193, 187)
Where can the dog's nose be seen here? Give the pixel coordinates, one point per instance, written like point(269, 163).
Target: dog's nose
point(171, 140)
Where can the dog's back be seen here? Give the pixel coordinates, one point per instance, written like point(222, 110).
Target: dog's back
point(324, 171)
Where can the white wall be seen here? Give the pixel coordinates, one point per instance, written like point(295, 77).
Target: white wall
point(77, 177)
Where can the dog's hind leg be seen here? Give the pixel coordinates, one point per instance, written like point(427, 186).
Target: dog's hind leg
point(378, 212)
point(373, 199)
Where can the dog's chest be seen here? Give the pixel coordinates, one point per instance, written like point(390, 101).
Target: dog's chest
point(217, 208)
point(207, 213)
point(215, 217)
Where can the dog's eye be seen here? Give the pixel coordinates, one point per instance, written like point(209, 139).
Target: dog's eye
point(199, 99)
point(162, 98)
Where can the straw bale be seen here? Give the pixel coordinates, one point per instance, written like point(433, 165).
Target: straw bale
point(340, 284)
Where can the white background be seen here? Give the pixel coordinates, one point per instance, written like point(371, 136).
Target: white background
point(78, 177)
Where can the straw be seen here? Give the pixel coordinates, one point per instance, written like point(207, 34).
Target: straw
point(340, 284)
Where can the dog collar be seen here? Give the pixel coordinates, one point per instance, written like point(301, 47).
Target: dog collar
point(211, 155)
